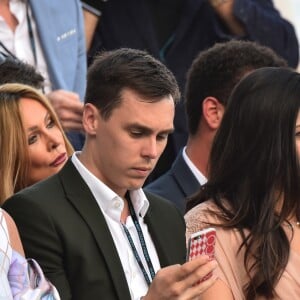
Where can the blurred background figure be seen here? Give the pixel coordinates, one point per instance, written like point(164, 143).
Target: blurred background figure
point(174, 31)
point(39, 33)
point(33, 145)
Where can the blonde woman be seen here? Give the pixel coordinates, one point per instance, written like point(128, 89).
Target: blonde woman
point(32, 142)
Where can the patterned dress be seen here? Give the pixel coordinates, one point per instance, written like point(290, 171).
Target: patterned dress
point(20, 278)
point(5, 260)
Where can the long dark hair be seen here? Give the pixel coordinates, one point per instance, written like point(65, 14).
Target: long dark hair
point(254, 166)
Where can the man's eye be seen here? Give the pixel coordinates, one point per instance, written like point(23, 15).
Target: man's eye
point(136, 133)
point(162, 137)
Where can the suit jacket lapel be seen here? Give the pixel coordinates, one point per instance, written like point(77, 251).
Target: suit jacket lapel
point(166, 244)
point(184, 176)
point(44, 23)
point(81, 197)
point(154, 228)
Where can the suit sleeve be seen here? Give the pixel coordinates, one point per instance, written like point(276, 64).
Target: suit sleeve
point(40, 240)
point(265, 25)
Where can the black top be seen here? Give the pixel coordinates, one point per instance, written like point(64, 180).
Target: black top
point(165, 15)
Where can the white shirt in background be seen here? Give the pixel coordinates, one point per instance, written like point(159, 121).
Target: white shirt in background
point(18, 42)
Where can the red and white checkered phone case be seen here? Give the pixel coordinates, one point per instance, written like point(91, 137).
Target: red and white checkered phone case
point(202, 243)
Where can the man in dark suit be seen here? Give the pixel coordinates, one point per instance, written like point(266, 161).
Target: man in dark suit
point(94, 231)
point(210, 81)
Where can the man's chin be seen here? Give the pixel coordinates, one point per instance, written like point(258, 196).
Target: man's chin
point(136, 183)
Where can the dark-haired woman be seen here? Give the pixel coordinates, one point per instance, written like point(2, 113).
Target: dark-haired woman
point(252, 196)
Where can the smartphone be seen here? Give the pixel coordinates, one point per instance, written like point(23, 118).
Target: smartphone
point(202, 243)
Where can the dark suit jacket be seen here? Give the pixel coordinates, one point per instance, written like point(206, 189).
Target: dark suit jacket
point(177, 184)
point(62, 227)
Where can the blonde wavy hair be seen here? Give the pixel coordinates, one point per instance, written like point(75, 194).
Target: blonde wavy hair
point(14, 158)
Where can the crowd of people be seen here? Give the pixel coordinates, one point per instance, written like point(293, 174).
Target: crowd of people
point(128, 126)
point(174, 32)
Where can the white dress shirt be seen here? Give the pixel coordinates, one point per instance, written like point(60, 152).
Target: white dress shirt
point(111, 206)
point(18, 42)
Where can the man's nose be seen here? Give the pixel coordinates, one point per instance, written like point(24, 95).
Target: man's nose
point(150, 148)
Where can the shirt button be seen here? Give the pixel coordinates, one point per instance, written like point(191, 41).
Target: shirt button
point(117, 204)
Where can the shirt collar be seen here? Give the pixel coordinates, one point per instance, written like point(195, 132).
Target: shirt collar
point(200, 177)
point(108, 201)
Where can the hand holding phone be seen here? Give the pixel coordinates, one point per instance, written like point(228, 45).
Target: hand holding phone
point(202, 243)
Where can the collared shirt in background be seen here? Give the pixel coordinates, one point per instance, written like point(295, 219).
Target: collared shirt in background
point(18, 42)
point(199, 176)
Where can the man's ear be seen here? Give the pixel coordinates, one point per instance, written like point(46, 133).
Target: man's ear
point(90, 118)
point(213, 112)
